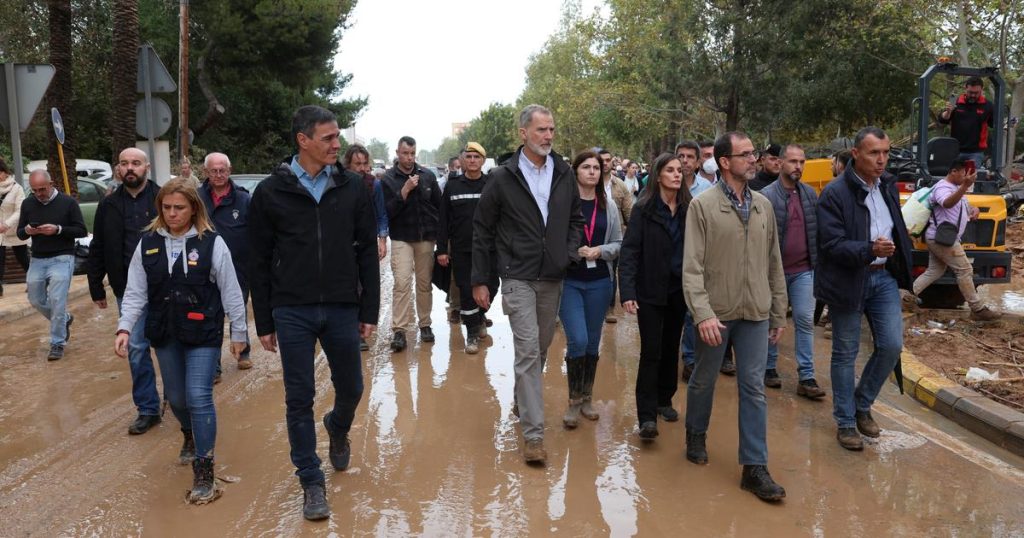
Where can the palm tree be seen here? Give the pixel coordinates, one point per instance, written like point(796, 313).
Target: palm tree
point(125, 65)
point(60, 93)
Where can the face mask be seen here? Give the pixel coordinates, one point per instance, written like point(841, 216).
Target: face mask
point(709, 166)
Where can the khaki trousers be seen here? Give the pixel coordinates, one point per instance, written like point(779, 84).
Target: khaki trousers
point(407, 259)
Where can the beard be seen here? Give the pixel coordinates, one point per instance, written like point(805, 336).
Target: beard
point(132, 181)
point(538, 149)
point(750, 174)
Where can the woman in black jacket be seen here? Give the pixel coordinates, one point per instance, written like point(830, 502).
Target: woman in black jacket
point(651, 286)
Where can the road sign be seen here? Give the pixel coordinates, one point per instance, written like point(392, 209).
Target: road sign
point(159, 114)
point(160, 80)
point(26, 90)
point(58, 124)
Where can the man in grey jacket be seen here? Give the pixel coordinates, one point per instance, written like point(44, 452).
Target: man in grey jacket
point(530, 213)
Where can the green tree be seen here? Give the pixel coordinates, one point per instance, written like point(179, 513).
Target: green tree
point(495, 129)
point(378, 149)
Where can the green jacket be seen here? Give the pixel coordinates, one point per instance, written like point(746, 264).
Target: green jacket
point(733, 270)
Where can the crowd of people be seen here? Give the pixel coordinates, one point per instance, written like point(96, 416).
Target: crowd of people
point(709, 249)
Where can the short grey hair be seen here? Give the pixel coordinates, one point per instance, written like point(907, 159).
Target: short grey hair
point(206, 160)
point(40, 172)
point(526, 116)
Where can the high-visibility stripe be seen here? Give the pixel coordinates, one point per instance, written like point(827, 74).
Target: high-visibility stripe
point(465, 196)
point(469, 312)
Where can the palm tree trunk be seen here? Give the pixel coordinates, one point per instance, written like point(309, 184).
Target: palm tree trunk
point(60, 93)
point(124, 74)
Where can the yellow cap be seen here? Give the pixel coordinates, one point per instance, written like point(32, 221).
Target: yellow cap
point(473, 146)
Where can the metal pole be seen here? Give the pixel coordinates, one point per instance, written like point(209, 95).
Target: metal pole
point(12, 114)
point(183, 82)
point(63, 168)
point(147, 87)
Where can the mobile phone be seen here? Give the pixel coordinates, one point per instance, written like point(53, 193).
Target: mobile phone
point(970, 167)
point(34, 224)
point(952, 99)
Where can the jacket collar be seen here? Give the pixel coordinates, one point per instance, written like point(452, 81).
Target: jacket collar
point(284, 170)
point(560, 165)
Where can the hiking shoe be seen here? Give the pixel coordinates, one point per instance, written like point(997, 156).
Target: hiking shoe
point(533, 451)
point(67, 327)
point(203, 490)
point(866, 424)
point(985, 314)
point(772, 379)
point(472, 344)
point(143, 423)
point(850, 439)
point(426, 335)
point(696, 449)
point(687, 372)
point(728, 367)
point(808, 388)
point(56, 352)
point(668, 413)
point(341, 450)
point(398, 341)
point(363, 346)
point(188, 449)
point(244, 363)
point(314, 502)
point(648, 430)
point(757, 481)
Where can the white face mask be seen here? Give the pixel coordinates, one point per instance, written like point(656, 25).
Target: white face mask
point(709, 166)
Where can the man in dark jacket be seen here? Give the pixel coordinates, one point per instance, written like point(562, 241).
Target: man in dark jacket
point(413, 198)
point(117, 229)
point(530, 213)
point(795, 206)
point(863, 262)
point(771, 165)
point(970, 119)
point(228, 209)
point(312, 244)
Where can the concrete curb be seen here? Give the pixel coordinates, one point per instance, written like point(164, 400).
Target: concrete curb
point(989, 419)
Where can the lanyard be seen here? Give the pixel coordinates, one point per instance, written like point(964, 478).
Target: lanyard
point(589, 230)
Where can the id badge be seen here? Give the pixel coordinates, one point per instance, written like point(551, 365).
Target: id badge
point(591, 264)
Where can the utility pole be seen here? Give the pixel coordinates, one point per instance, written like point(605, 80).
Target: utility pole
point(183, 138)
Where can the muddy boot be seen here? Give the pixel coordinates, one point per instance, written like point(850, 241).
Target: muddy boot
point(589, 372)
point(757, 481)
point(188, 449)
point(574, 367)
point(985, 314)
point(314, 502)
point(203, 490)
point(696, 448)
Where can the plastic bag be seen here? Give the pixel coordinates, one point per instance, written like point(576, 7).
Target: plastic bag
point(975, 375)
point(917, 211)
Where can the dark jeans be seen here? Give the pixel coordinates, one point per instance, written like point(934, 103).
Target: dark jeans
point(462, 269)
point(140, 363)
point(20, 252)
point(660, 330)
point(299, 327)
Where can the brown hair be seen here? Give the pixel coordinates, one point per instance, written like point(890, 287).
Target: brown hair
point(599, 194)
point(653, 188)
point(184, 187)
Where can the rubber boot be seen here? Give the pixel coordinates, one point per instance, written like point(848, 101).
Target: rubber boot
point(589, 372)
point(574, 376)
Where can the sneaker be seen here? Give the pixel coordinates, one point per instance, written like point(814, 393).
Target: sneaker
point(188, 449)
point(340, 451)
point(648, 430)
point(850, 439)
point(696, 448)
point(398, 341)
point(985, 314)
point(728, 367)
point(426, 335)
point(244, 363)
point(668, 413)
point(363, 346)
point(687, 372)
point(203, 490)
point(314, 502)
point(56, 352)
point(143, 423)
point(67, 327)
point(533, 451)
point(757, 481)
point(866, 424)
point(772, 379)
point(472, 344)
point(808, 388)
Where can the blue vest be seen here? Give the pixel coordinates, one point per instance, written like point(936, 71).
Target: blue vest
point(185, 307)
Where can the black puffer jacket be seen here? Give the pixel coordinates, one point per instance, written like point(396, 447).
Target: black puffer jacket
point(414, 218)
point(106, 251)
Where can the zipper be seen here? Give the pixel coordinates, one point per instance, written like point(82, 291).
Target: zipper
point(319, 253)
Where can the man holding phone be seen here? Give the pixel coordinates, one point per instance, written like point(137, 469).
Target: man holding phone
point(53, 220)
point(863, 262)
point(970, 116)
point(950, 209)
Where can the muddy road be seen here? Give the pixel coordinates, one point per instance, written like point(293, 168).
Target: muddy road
point(436, 452)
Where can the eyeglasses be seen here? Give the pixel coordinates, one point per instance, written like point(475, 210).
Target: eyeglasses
point(748, 155)
point(217, 171)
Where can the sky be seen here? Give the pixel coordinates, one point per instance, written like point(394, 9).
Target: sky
point(426, 65)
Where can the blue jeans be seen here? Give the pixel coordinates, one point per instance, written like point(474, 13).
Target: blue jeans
point(47, 282)
point(689, 341)
point(582, 311)
point(882, 308)
point(188, 384)
point(140, 362)
point(750, 344)
point(801, 297)
point(299, 327)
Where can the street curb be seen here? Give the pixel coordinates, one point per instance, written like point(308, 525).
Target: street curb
point(989, 419)
point(15, 314)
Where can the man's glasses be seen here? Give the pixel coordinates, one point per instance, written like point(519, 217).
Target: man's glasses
point(748, 155)
point(216, 171)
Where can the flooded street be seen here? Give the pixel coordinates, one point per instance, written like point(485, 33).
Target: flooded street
point(436, 451)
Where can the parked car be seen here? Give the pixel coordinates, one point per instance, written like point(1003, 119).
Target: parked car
point(248, 181)
point(83, 167)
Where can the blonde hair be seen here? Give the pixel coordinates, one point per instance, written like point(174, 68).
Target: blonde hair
point(184, 187)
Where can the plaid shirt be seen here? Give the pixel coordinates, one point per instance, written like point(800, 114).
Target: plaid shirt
point(742, 208)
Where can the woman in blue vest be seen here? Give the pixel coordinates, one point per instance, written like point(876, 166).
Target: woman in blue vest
point(181, 274)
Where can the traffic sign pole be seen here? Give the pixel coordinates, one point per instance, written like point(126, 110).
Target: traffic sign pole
point(63, 169)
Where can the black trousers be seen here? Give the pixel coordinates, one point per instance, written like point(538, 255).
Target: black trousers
point(20, 252)
point(661, 327)
point(462, 267)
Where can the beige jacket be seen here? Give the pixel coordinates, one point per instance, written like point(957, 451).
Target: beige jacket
point(733, 271)
point(623, 199)
point(10, 212)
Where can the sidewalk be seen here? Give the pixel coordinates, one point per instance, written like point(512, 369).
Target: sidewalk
point(14, 304)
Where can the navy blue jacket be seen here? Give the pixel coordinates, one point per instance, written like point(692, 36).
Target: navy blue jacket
point(231, 220)
point(844, 245)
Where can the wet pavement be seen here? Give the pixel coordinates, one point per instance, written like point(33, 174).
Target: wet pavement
point(436, 452)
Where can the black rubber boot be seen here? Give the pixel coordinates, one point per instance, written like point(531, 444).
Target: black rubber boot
point(188, 448)
point(203, 490)
point(589, 373)
point(574, 367)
